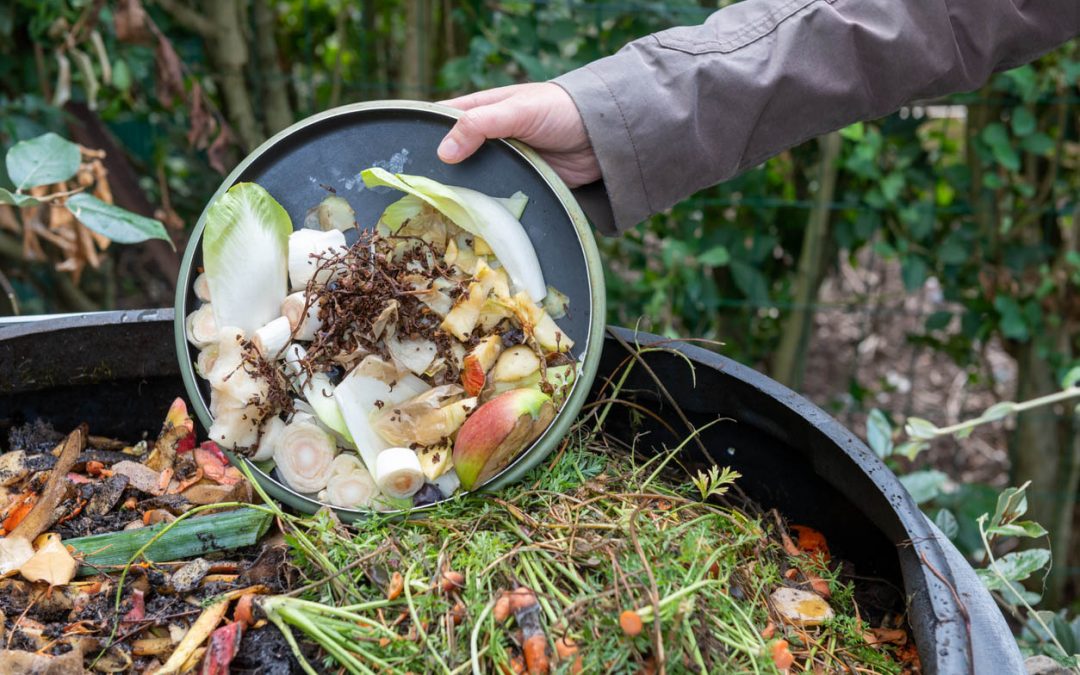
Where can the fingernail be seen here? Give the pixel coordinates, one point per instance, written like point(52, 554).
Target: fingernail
point(449, 150)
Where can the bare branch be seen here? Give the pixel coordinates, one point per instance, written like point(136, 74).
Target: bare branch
point(189, 18)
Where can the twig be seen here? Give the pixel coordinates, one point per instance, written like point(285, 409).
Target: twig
point(10, 292)
point(667, 394)
point(960, 606)
point(188, 18)
point(351, 566)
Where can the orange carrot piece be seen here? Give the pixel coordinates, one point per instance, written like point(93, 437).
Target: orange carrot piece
point(535, 651)
point(782, 656)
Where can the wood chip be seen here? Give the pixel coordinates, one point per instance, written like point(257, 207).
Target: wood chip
point(44, 512)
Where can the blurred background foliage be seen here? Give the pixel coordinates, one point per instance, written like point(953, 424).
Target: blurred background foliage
point(947, 231)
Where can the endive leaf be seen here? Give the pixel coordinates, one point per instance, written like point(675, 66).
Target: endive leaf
point(245, 252)
point(479, 214)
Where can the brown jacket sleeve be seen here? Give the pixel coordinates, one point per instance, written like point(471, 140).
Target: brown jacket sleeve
point(689, 107)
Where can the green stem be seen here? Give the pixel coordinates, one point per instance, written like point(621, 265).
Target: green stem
point(474, 653)
point(420, 626)
point(1063, 395)
point(992, 566)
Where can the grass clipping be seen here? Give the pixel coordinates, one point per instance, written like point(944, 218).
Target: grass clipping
point(598, 563)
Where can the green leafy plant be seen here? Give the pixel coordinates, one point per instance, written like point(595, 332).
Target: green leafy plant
point(48, 160)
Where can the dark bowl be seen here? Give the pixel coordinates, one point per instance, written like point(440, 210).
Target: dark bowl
point(330, 149)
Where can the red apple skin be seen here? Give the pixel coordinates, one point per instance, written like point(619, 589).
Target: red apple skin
point(497, 431)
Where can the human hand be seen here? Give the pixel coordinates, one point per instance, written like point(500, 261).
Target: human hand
point(540, 114)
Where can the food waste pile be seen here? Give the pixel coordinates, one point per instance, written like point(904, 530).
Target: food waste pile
point(156, 556)
point(413, 361)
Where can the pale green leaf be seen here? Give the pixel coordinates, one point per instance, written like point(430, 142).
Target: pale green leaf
point(42, 160)
point(919, 429)
point(946, 522)
point(999, 411)
point(1024, 528)
point(717, 256)
point(910, 449)
point(924, 485)
point(119, 225)
point(1011, 504)
point(17, 198)
point(478, 214)
point(245, 252)
point(1019, 565)
point(879, 433)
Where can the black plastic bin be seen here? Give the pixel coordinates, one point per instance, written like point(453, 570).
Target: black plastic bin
point(118, 371)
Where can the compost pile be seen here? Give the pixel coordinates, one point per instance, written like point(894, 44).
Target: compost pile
point(601, 561)
point(76, 509)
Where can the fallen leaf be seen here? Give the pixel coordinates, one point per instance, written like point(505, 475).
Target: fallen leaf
point(877, 636)
point(52, 563)
point(140, 477)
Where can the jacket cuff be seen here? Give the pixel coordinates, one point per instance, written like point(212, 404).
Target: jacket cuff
point(611, 140)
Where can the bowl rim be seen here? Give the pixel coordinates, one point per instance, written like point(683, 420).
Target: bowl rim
point(590, 359)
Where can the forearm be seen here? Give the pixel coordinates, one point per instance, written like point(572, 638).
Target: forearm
point(689, 107)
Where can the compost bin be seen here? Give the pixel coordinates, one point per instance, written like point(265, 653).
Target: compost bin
point(118, 370)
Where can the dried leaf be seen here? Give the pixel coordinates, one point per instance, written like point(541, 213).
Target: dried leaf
point(52, 563)
point(203, 125)
point(63, 80)
point(218, 152)
point(129, 19)
point(170, 73)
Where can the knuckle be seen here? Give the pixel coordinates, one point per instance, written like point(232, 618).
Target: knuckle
point(472, 123)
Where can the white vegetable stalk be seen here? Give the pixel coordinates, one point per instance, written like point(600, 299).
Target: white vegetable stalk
point(350, 485)
point(235, 427)
point(303, 455)
point(233, 385)
point(202, 287)
point(303, 245)
point(204, 362)
point(202, 328)
point(303, 325)
point(272, 429)
point(358, 394)
point(318, 391)
point(398, 473)
point(271, 339)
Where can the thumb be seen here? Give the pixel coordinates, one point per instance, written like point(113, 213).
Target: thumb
point(498, 120)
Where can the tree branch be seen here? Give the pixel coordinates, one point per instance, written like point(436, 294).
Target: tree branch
point(189, 18)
